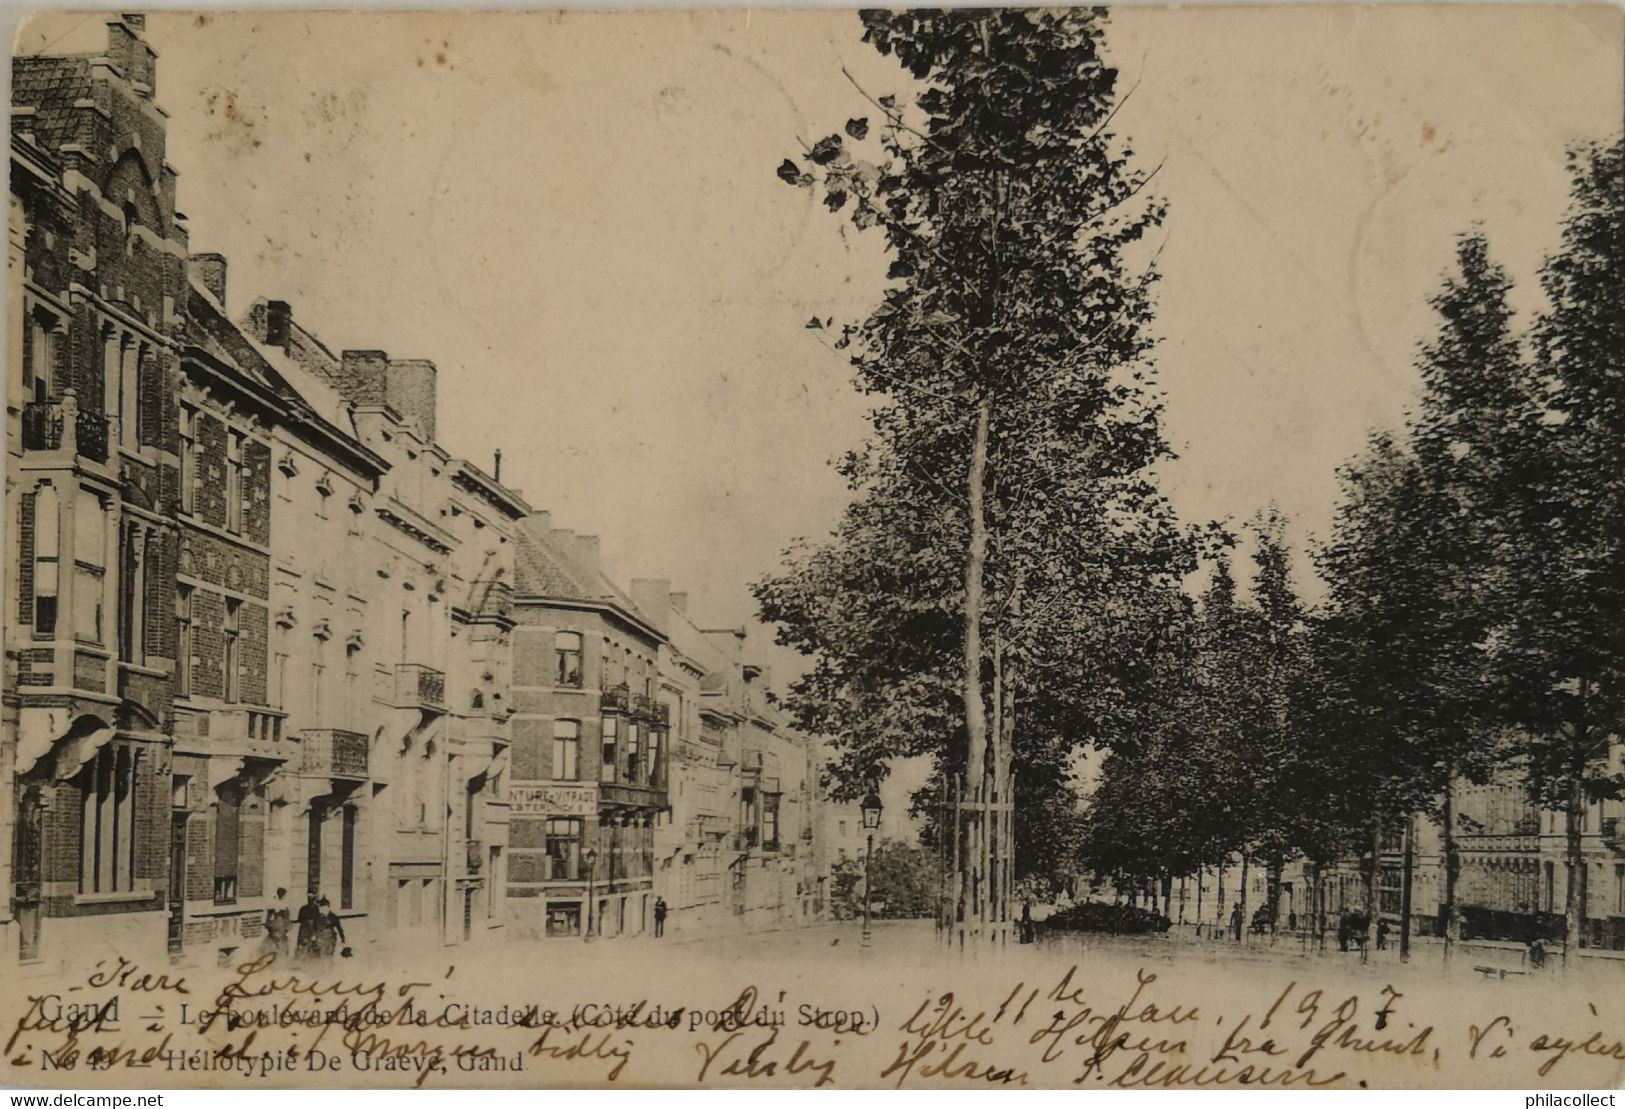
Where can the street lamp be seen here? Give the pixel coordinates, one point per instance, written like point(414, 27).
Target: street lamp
point(871, 820)
point(591, 855)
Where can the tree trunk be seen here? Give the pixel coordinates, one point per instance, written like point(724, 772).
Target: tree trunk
point(975, 707)
point(1405, 890)
point(1573, 910)
point(1273, 881)
point(1372, 904)
point(1452, 867)
point(1241, 901)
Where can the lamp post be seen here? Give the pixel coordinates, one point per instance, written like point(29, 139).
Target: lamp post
point(871, 820)
point(591, 855)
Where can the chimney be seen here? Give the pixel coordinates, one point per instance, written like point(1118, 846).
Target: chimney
point(361, 376)
point(587, 551)
point(211, 270)
point(278, 324)
point(679, 602)
point(409, 388)
point(133, 58)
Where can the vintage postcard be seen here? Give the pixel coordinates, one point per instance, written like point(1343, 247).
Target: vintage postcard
point(1067, 548)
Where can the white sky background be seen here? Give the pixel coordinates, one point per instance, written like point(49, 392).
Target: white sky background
point(576, 218)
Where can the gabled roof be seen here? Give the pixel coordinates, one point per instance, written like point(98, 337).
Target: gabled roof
point(545, 568)
point(211, 330)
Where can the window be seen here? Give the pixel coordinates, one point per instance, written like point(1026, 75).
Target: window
point(89, 569)
point(564, 918)
point(183, 640)
point(564, 849)
point(279, 681)
point(232, 637)
point(566, 750)
point(46, 535)
point(129, 391)
point(770, 822)
point(631, 777)
point(567, 653)
point(112, 350)
point(188, 447)
point(611, 726)
point(40, 364)
point(228, 818)
point(132, 597)
point(234, 482)
point(107, 841)
point(651, 756)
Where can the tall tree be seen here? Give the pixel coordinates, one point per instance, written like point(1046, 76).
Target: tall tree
point(1560, 651)
point(1478, 415)
point(1007, 554)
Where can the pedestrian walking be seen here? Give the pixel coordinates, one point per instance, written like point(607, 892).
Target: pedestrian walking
point(310, 922)
point(1235, 920)
point(278, 923)
point(329, 930)
point(660, 917)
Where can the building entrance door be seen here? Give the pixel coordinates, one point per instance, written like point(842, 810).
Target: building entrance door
point(177, 882)
point(26, 864)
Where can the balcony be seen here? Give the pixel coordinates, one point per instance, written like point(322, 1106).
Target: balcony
point(615, 698)
point(1611, 832)
point(334, 753)
point(1526, 826)
point(61, 426)
point(476, 855)
point(660, 715)
point(643, 706)
point(807, 834)
point(420, 687)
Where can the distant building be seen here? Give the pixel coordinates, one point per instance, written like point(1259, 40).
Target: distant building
point(591, 744)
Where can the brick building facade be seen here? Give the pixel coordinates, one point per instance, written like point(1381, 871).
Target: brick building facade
point(98, 277)
point(267, 634)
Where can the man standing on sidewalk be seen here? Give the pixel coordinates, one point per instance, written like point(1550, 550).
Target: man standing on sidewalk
point(660, 917)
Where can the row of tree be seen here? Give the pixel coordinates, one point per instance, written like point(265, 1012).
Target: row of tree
point(1474, 617)
point(1008, 584)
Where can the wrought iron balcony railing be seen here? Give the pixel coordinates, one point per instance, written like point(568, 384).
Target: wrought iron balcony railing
point(614, 698)
point(46, 425)
point(334, 753)
point(419, 686)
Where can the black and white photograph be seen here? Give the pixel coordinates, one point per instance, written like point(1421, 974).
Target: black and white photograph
point(918, 550)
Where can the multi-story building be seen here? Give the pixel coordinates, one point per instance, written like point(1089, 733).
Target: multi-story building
point(230, 747)
point(774, 874)
point(693, 840)
point(590, 744)
point(98, 270)
point(416, 597)
point(315, 802)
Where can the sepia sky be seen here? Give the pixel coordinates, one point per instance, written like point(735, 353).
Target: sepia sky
point(576, 218)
